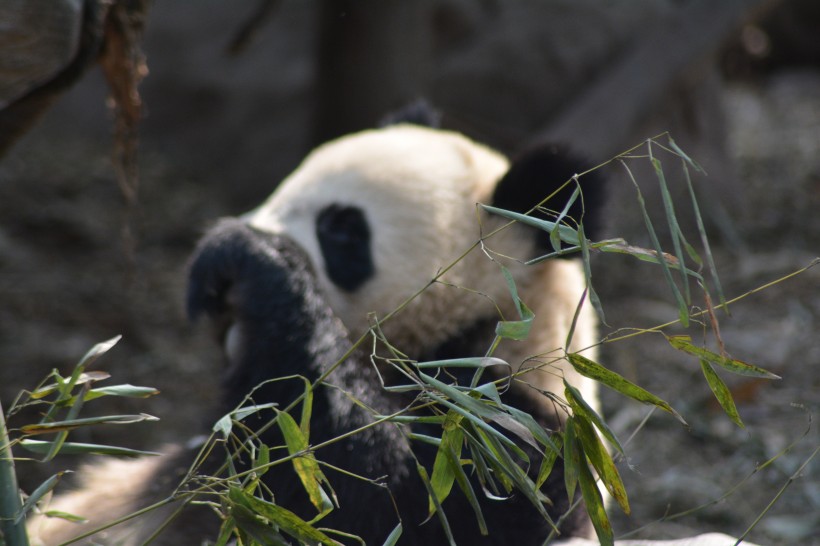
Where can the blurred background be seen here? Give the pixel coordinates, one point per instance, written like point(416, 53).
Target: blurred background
point(95, 231)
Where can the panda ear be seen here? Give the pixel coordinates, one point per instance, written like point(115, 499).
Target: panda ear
point(418, 112)
point(540, 171)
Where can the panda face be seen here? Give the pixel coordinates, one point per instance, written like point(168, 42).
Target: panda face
point(380, 213)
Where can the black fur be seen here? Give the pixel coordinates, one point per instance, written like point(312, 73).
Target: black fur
point(344, 238)
point(537, 173)
point(418, 112)
point(264, 285)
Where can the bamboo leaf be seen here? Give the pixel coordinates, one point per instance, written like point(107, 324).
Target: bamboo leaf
point(572, 459)
point(548, 462)
point(393, 537)
point(473, 362)
point(305, 465)
point(71, 424)
point(684, 343)
point(614, 381)
point(566, 233)
point(443, 476)
point(597, 454)
point(283, 518)
point(674, 229)
point(97, 351)
point(75, 448)
point(464, 484)
point(595, 505)
point(131, 391)
point(580, 406)
point(721, 391)
point(43, 489)
point(683, 313)
point(425, 479)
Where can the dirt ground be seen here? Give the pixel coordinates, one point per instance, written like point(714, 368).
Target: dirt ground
point(66, 284)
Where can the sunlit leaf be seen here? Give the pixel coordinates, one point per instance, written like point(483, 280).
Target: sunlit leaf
point(721, 391)
point(684, 343)
point(131, 391)
point(595, 505)
point(283, 518)
point(580, 406)
point(601, 460)
point(74, 448)
point(566, 233)
point(442, 517)
point(472, 362)
point(572, 459)
point(64, 515)
point(70, 424)
point(393, 537)
point(86, 377)
point(593, 370)
point(548, 462)
point(466, 488)
point(97, 351)
point(515, 329)
point(42, 490)
point(443, 476)
point(305, 465)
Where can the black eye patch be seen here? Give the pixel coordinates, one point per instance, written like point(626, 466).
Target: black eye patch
point(344, 237)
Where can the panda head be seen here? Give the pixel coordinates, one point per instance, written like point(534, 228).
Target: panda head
point(383, 212)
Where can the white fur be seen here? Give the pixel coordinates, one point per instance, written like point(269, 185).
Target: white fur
point(109, 489)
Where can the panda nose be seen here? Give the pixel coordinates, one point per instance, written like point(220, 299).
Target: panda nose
point(245, 281)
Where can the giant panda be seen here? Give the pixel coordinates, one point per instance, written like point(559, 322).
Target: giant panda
point(372, 222)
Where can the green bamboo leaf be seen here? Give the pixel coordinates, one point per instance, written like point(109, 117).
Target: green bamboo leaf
point(71, 424)
point(305, 465)
point(443, 476)
point(614, 381)
point(473, 362)
point(479, 409)
point(75, 448)
point(83, 378)
point(225, 423)
point(65, 515)
point(548, 462)
point(593, 296)
point(684, 343)
point(473, 419)
point(534, 427)
point(566, 233)
point(516, 475)
point(674, 229)
point(645, 255)
point(466, 488)
point(283, 518)
point(442, 517)
point(580, 406)
point(97, 351)
point(683, 312)
point(393, 537)
point(721, 391)
point(130, 391)
point(307, 409)
point(44, 488)
point(704, 240)
point(572, 459)
point(601, 460)
point(555, 235)
point(594, 504)
point(517, 330)
point(490, 451)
